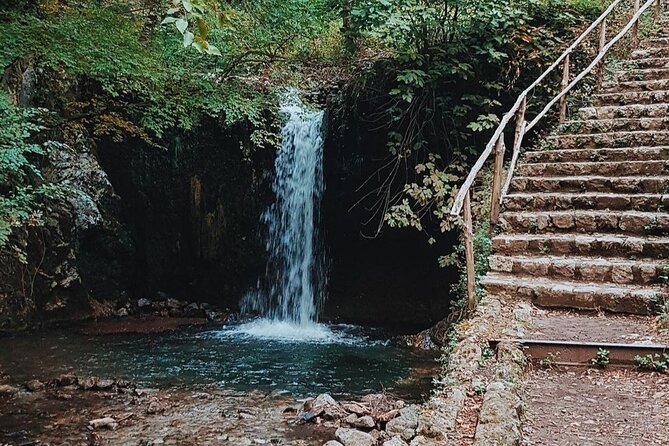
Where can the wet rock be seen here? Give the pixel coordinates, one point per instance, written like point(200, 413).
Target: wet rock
point(405, 424)
point(395, 441)
point(156, 407)
point(352, 437)
point(103, 423)
point(192, 309)
point(35, 385)
point(174, 304)
point(104, 384)
point(68, 379)
point(6, 389)
point(88, 383)
point(122, 312)
point(213, 316)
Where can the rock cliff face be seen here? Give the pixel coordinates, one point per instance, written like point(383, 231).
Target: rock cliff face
point(183, 219)
point(193, 211)
point(136, 220)
point(392, 279)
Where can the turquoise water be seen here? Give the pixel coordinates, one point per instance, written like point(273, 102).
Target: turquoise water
point(342, 360)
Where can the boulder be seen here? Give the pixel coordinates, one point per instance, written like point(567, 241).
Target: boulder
point(104, 384)
point(405, 424)
point(68, 379)
point(103, 423)
point(88, 383)
point(143, 303)
point(365, 422)
point(6, 389)
point(395, 441)
point(35, 385)
point(333, 443)
point(422, 441)
point(352, 437)
point(174, 304)
point(122, 312)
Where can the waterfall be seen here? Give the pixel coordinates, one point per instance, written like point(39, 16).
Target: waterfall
point(294, 281)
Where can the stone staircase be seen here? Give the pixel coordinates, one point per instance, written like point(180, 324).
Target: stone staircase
point(585, 226)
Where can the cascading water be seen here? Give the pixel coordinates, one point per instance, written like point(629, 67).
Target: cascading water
point(288, 296)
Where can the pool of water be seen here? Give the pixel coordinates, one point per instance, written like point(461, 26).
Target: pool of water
point(341, 360)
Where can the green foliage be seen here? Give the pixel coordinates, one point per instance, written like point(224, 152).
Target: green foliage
point(655, 363)
point(601, 360)
point(486, 354)
point(23, 191)
point(451, 66)
point(140, 81)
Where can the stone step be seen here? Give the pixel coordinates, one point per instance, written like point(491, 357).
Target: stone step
point(642, 74)
point(586, 222)
point(661, 51)
point(610, 139)
point(656, 42)
point(605, 245)
point(566, 201)
point(586, 269)
point(659, 110)
point(618, 86)
point(628, 299)
point(644, 185)
point(652, 62)
point(595, 168)
point(631, 97)
point(551, 353)
point(601, 328)
point(606, 154)
point(615, 125)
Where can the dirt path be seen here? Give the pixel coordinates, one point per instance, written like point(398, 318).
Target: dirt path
point(594, 407)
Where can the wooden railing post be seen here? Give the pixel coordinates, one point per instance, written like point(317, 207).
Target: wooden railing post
point(564, 85)
point(658, 10)
point(602, 65)
point(635, 28)
point(469, 253)
point(496, 182)
point(520, 119)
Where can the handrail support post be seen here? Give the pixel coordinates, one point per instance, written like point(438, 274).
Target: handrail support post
point(496, 190)
point(469, 253)
point(602, 65)
point(635, 28)
point(564, 85)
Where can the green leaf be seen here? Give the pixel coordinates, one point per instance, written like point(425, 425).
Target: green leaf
point(199, 46)
point(172, 11)
point(211, 49)
point(187, 5)
point(188, 39)
point(168, 20)
point(181, 25)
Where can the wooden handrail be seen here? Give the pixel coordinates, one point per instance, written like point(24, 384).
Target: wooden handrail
point(594, 63)
point(496, 143)
point(459, 199)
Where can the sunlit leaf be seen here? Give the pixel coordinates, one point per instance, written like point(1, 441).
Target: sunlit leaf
point(181, 25)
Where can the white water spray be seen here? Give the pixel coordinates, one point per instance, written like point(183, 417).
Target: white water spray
point(289, 295)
